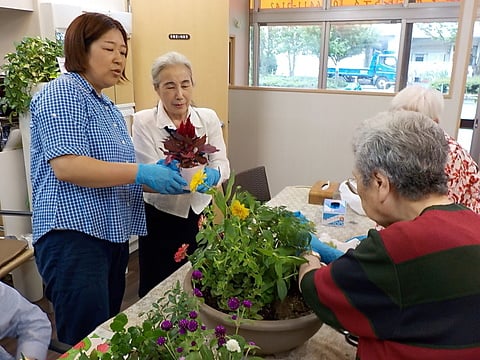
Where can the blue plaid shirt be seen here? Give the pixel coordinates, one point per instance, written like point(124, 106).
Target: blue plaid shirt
point(68, 117)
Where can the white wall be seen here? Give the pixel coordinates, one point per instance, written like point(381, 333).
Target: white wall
point(302, 137)
point(15, 24)
point(239, 29)
point(112, 5)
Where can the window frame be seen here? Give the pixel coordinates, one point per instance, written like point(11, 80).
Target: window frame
point(406, 14)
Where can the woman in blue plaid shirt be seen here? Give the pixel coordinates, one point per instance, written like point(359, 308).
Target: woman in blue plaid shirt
point(87, 187)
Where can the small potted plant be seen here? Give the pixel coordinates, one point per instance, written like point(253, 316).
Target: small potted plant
point(188, 149)
point(253, 252)
point(34, 61)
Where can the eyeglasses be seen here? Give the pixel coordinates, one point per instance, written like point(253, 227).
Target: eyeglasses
point(352, 185)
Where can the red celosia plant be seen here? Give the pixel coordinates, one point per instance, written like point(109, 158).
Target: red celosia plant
point(186, 147)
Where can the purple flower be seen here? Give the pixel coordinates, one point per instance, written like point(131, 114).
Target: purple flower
point(197, 292)
point(220, 331)
point(166, 325)
point(247, 304)
point(179, 349)
point(161, 341)
point(193, 315)
point(182, 331)
point(221, 341)
point(193, 343)
point(192, 326)
point(197, 275)
point(203, 327)
point(183, 323)
point(251, 343)
point(234, 317)
point(233, 303)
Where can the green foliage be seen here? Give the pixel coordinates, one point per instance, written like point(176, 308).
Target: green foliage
point(349, 40)
point(440, 31)
point(252, 253)
point(33, 61)
point(160, 335)
point(472, 85)
point(302, 82)
point(289, 40)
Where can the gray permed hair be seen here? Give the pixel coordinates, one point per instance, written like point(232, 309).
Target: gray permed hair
point(170, 58)
point(406, 146)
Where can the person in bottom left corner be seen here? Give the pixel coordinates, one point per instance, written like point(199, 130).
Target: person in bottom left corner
point(24, 321)
point(86, 185)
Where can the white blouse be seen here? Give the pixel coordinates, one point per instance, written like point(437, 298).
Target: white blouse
point(149, 132)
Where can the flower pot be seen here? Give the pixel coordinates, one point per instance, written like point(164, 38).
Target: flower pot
point(272, 336)
point(187, 173)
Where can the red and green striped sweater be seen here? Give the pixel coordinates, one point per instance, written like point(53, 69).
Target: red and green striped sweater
point(410, 291)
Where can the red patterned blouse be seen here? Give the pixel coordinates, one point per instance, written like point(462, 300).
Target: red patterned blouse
point(463, 176)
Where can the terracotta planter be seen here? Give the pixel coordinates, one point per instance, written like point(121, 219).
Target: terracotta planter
point(272, 336)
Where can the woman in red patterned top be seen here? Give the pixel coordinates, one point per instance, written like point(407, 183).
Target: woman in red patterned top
point(461, 169)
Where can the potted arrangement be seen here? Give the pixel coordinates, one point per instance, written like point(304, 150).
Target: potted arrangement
point(171, 330)
point(34, 61)
point(243, 283)
point(252, 253)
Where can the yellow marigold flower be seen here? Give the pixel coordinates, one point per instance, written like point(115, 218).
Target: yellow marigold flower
point(197, 180)
point(238, 209)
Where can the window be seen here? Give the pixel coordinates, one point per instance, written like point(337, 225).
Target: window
point(377, 45)
point(419, 57)
point(363, 54)
point(432, 45)
point(289, 56)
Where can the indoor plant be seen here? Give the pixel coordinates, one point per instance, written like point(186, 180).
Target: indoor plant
point(253, 252)
point(184, 146)
point(171, 330)
point(34, 61)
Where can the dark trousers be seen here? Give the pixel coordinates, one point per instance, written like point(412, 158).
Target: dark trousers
point(166, 233)
point(84, 279)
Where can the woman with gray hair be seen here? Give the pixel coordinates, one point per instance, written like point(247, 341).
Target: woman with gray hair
point(461, 169)
point(172, 220)
point(407, 291)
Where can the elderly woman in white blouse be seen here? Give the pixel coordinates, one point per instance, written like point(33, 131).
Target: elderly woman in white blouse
point(172, 220)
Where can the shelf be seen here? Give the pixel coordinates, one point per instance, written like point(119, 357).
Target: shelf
point(25, 5)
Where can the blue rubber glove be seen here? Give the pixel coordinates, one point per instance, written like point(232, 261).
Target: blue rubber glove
point(212, 178)
point(299, 215)
point(171, 165)
point(161, 179)
point(327, 253)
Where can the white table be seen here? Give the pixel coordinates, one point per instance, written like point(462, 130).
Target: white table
point(326, 344)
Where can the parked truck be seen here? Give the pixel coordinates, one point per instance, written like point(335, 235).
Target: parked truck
point(381, 72)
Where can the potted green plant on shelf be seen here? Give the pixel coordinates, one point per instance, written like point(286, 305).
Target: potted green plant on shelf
point(34, 61)
point(253, 252)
